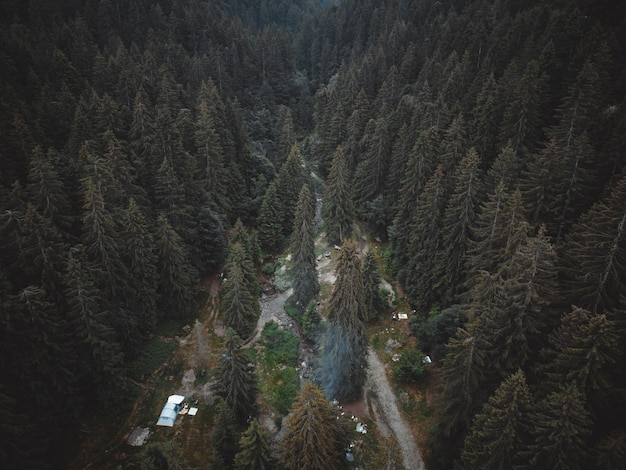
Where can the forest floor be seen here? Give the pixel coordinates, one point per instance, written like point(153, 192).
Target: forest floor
point(390, 408)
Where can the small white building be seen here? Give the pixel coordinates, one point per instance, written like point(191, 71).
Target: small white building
point(170, 410)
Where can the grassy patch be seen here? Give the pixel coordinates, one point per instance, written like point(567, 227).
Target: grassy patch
point(293, 310)
point(279, 381)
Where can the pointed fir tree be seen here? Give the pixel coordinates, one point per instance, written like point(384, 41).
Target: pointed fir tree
point(269, 221)
point(560, 427)
point(239, 300)
point(499, 431)
point(256, 449)
point(224, 437)
point(463, 374)
point(305, 281)
point(374, 302)
point(459, 217)
point(177, 276)
point(594, 254)
point(314, 438)
point(338, 210)
point(529, 288)
point(425, 243)
point(344, 359)
point(235, 378)
point(582, 350)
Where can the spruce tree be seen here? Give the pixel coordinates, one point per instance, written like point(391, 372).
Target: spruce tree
point(235, 378)
point(374, 302)
point(344, 359)
point(305, 281)
point(459, 217)
point(499, 431)
point(560, 427)
point(239, 300)
point(425, 242)
point(314, 438)
point(256, 449)
point(177, 275)
point(594, 254)
point(338, 210)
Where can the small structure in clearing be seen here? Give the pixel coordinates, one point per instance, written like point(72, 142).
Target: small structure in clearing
point(170, 410)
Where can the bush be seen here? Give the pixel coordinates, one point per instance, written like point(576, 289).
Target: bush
point(281, 346)
point(433, 333)
point(410, 368)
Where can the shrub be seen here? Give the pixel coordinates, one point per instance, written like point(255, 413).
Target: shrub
point(410, 368)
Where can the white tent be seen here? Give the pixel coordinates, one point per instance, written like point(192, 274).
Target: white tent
point(170, 410)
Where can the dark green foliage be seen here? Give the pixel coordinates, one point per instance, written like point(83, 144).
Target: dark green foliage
point(239, 300)
point(311, 321)
point(224, 437)
point(305, 281)
point(256, 449)
point(281, 346)
point(210, 244)
point(313, 438)
point(235, 378)
point(500, 431)
point(162, 456)
point(410, 367)
point(338, 210)
point(433, 333)
point(344, 358)
point(559, 429)
point(375, 302)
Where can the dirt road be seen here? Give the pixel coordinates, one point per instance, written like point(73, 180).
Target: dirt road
point(384, 408)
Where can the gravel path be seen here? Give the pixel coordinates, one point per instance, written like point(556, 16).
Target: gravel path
point(385, 409)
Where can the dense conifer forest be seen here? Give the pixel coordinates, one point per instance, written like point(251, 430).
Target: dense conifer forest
point(146, 145)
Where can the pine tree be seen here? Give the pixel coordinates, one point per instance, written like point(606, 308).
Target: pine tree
point(177, 275)
point(314, 438)
point(463, 374)
point(140, 258)
point(499, 431)
point(239, 301)
point(374, 303)
point(337, 210)
point(91, 323)
point(224, 437)
point(497, 233)
point(529, 287)
point(236, 381)
point(522, 121)
point(418, 170)
point(425, 242)
point(256, 451)
point(559, 429)
point(305, 281)
point(581, 351)
point(344, 359)
point(595, 253)
point(459, 216)
point(269, 220)
point(371, 171)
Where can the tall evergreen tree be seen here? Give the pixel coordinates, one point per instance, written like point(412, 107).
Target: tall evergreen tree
point(559, 429)
point(305, 281)
point(595, 253)
point(236, 381)
point(239, 301)
point(374, 302)
point(344, 359)
point(314, 438)
point(256, 449)
point(338, 210)
point(459, 217)
point(177, 275)
point(499, 431)
point(425, 242)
